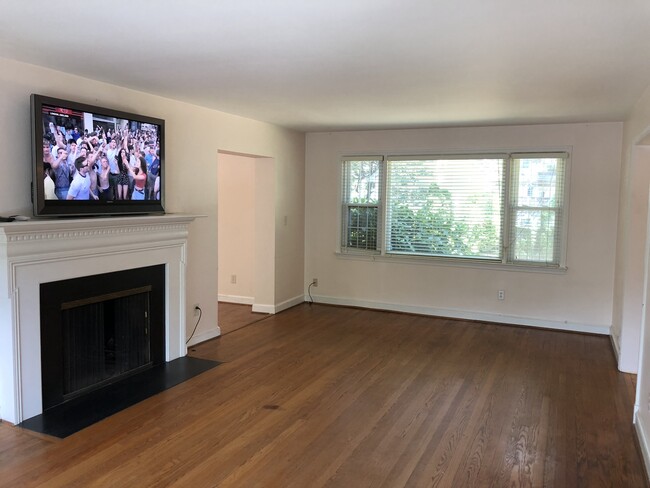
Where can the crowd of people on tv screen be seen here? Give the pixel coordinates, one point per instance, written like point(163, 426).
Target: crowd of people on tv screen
point(101, 165)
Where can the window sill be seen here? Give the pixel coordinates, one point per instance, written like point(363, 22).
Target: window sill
point(446, 262)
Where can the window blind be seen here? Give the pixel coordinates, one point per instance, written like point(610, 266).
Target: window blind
point(450, 206)
point(537, 214)
point(361, 184)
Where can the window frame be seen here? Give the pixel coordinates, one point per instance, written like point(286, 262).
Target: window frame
point(506, 260)
point(346, 205)
point(562, 183)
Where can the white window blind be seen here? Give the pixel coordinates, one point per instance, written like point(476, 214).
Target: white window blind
point(537, 202)
point(449, 206)
point(361, 203)
point(507, 209)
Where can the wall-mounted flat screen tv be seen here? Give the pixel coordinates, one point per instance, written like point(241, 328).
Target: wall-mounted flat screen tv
point(89, 160)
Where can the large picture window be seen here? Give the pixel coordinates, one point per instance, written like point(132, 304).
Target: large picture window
point(493, 208)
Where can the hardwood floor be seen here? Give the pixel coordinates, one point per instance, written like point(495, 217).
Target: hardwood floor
point(321, 396)
point(234, 316)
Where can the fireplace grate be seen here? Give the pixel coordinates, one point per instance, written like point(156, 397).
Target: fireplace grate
point(104, 339)
point(98, 329)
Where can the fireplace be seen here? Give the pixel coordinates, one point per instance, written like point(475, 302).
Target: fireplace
point(44, 251)
point(98, 329)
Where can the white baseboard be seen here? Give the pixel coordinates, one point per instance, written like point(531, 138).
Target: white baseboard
point(292, 302)
point(204, 336)
point(644, 444)
point(465, 314)
point(272, 309)
point(236, 299)
point(616, 347)
point(262, 308)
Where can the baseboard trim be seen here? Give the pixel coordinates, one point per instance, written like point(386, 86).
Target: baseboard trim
point(292, 302)
point(236, 299)
point(467, 315)
point(272, 309)
point(262, 308)
point(616, 347)
point(204, 336)
point(643, 442)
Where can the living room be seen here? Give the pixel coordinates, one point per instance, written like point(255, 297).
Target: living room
point(597, 289)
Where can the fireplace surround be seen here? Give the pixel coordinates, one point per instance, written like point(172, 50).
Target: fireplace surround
point(43, 251)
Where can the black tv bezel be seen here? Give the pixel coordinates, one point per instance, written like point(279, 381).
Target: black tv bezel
point(69, 208)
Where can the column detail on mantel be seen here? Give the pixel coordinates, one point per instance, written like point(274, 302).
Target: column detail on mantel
point(42, 251)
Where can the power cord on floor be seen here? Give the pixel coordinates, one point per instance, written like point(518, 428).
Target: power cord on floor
point(196, 307)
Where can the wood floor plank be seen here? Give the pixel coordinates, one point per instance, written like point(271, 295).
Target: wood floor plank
point(234, 316)
point(322, 396)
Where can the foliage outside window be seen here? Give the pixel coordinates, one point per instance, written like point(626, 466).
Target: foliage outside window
point(361, 197)
point(503, 208)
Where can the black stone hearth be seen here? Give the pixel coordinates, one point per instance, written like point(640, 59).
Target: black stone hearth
point(103, 348)
point(81, 412)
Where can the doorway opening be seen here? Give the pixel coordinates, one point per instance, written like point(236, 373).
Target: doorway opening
point(246, 231)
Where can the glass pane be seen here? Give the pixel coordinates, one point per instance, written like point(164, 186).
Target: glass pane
point(362, 227)
point(104, 340)
point(537, 185)
point(534, 232)
point(362, 182)
point(446, 207)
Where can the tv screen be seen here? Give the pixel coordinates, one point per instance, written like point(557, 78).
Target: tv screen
point(90, 160)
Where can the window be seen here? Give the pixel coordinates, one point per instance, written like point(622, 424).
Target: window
point(445, 207)
point(361, 197)
point(536, 208)
point(499, 208)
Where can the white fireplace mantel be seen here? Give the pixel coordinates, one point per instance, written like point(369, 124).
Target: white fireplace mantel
point(41, 251)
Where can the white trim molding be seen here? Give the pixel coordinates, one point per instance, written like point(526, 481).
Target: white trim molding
point(615, 347)
point(204, 336)
point(464, 314)
point(292, 302)
point(236, 299)
point(273, 309)
point(644, 442)
point(48, 250)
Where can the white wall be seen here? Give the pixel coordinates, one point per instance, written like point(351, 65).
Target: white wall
point(193, 137)
point(236, 220)
point(579, 299)
point(633, 206)
point(266, 255)
point(628, 315)
point(632, 235)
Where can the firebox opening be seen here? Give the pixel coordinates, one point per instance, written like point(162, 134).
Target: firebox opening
point(104, 338)
point(99, 329)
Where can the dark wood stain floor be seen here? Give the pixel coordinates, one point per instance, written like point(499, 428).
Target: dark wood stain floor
point(321, 396)
point(234, 316)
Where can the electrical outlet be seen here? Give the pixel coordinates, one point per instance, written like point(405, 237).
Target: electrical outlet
point(233, 279)
point(501, 294)
point(196, 308)
point(314, 281)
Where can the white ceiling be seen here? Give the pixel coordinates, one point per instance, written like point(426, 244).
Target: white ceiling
point(353, 64)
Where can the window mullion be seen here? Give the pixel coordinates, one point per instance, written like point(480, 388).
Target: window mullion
point(506, 224)
point(382, 227)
